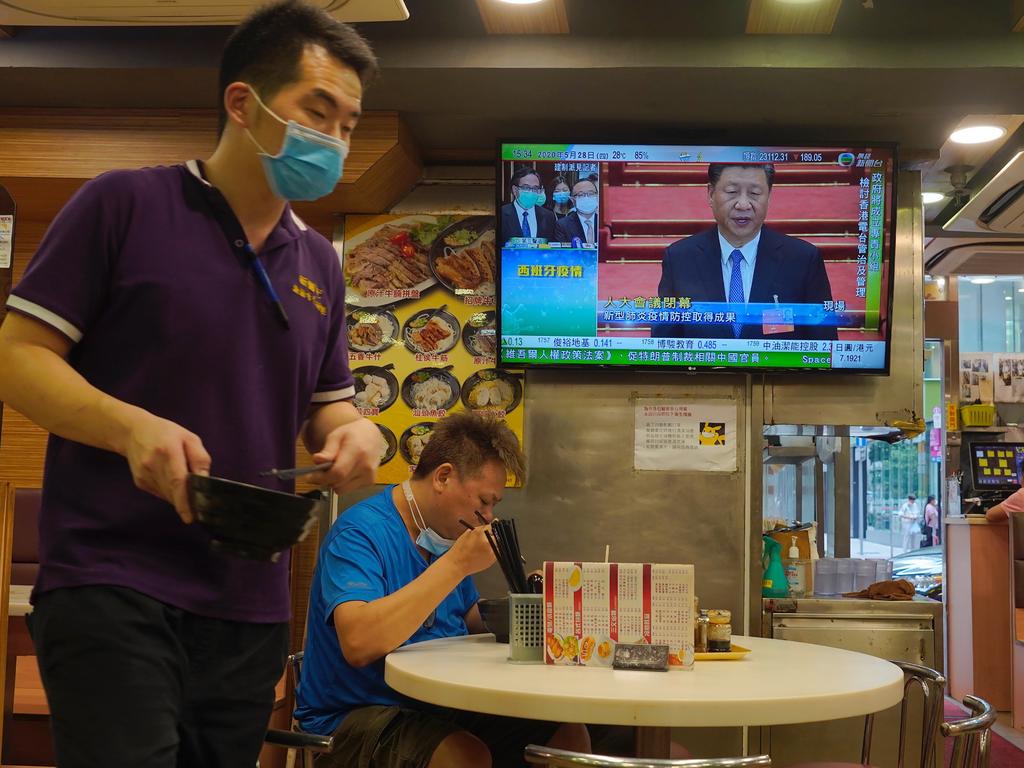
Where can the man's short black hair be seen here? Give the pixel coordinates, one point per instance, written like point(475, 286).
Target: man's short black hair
point(715, 171)
point(523, 171)
point(266, 49)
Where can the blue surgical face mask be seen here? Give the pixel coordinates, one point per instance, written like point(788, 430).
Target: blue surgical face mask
point(428, 539)
point(560, 197)
point(529, 199)
point(309, 164)
point(587, 204)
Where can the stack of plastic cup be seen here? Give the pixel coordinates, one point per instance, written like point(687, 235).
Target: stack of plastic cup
point(825, 576)
point(883, 569)
point(888, 569)
point(844, 575)
point(863, 574)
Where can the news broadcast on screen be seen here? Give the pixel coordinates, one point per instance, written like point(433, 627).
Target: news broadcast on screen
point(695, 257)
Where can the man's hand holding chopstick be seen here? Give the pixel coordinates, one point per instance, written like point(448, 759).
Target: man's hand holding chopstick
point(472, 551)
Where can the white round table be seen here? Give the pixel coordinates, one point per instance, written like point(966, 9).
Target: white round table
point(779, 682)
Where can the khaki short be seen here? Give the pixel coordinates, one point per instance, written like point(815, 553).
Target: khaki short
point(398, 737)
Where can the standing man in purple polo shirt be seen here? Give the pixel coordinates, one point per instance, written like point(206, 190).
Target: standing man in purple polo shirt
point(184, 319)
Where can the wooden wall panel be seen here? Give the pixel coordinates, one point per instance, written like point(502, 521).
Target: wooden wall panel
point(6, 550)
point(61, 147)
point(22, 450)
point(80, 144)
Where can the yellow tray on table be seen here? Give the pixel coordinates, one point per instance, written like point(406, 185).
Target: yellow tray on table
point(735, 652)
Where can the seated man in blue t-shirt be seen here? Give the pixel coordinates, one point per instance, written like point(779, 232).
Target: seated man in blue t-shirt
point(395, 569)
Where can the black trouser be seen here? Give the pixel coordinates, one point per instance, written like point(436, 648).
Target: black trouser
point(135, 683)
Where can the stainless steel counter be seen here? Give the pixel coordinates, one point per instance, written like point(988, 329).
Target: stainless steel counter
point(910, 631)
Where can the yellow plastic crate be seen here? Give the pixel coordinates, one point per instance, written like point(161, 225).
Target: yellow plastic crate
point(977, 415)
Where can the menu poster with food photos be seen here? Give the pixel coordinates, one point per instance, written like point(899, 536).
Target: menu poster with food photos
point(420, 295)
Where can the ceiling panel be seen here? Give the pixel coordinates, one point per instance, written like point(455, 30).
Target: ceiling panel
point(772, 17)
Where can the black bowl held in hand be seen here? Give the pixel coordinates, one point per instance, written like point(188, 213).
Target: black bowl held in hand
point(248, 521)
point(494, 612)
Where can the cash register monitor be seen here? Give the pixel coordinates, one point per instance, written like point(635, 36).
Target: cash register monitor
point(996, 467)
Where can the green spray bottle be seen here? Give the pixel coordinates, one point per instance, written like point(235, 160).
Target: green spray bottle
point(773, 583)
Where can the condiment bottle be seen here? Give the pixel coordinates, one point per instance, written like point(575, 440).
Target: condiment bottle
point(719, 631)
point(700, 641)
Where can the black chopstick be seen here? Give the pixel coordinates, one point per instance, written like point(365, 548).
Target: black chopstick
point(291, 474)
point(466, 525)
point(503, 545)
point(501, 563)
point(511, 553)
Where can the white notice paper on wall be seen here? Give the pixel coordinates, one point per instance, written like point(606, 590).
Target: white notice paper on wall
point(684, 435)
point(1009, 378)
point(976, 377)
point(6, 240)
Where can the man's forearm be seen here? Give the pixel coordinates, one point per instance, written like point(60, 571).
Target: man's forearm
point(996, 514)
point(42, 385)
point(370, 631)
point(324, 419)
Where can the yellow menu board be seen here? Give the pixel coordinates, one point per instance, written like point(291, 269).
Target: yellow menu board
point(420, 291)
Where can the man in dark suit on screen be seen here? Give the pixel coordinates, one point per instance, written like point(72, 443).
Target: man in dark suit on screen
point(526, 215)
point(743, 262)
point(581, 222)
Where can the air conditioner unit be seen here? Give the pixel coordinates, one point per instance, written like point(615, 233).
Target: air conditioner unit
point(108, 13)
point(998, 206)
point(974, 256)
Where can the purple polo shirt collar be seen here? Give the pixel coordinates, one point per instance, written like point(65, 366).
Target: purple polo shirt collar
point(289, 228)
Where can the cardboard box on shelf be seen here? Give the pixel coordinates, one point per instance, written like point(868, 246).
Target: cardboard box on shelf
point(806, 541)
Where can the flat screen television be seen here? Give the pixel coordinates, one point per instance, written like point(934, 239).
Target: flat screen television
point(732, 258)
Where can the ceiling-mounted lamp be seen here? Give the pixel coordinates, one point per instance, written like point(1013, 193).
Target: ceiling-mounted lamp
point(521, 2)
point(977, 134)
point(982, 280)
point(932, 197)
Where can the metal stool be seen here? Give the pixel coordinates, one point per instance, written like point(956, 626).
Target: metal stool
point(563, 758)
point(932, 685)
point(971, 737)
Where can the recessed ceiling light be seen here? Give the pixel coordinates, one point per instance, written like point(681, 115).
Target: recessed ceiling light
point(1008, 298)
point(982, 280)
point(932, 197)
point(521, 2)
point(977, 134)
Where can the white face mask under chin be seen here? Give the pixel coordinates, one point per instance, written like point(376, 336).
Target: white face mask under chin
point(428, 538)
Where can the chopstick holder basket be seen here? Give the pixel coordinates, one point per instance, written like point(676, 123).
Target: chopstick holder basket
point(525, 628)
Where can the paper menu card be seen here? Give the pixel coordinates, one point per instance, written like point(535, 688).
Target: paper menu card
point(590, 607)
